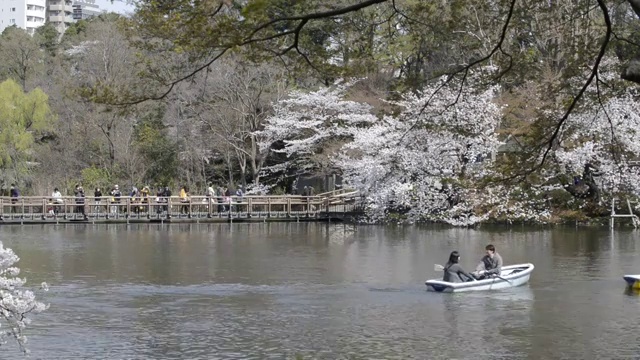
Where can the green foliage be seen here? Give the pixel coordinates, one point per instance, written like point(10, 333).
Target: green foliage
point(9, 30)
point(93, 177)
point(47, 37)
point(159, 152)
point(21, 117)
point(75, 31)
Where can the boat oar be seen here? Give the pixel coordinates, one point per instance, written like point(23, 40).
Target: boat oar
point(500, 277)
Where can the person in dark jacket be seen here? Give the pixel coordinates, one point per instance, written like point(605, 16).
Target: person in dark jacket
point(167, 195)
point(79, 194)
point(490, 264)
point(15, 194)
point(453, 272)
point(97, 197)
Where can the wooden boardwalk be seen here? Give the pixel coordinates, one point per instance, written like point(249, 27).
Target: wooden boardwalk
point(333, 206)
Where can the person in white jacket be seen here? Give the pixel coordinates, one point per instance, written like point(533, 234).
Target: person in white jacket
point(56, 198)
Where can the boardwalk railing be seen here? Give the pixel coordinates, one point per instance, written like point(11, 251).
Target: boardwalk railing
point(38, 208)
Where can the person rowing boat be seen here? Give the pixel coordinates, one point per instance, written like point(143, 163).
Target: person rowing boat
point(490, 264)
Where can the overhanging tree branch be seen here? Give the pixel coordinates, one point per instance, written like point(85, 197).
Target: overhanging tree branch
point(318, 15)
point(303, 19)
point(592, 76)
point(466, 68)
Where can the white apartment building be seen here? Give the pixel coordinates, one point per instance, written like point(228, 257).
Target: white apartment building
point(60, 14)
point(25, 14)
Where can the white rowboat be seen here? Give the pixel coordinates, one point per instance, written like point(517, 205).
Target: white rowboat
point(510, 276)
point(633, 281)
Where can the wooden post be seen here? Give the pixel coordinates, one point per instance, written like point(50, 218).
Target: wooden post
point(327, 206)
point(288, 207)
point(268, 207)
point(613, 212)
point(634, 219)
point(249, 208)
point(128, 209)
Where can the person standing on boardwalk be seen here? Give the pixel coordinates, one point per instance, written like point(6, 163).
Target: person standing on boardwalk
point(184, 199)
point(15, 194)
point(115, 198)
point(56, 199)
point(80, 202)
point(97, 197)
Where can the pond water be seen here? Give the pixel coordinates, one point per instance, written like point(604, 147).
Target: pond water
point(322, 291)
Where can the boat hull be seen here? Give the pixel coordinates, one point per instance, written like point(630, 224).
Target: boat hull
point(517, 275)
point(633, 281)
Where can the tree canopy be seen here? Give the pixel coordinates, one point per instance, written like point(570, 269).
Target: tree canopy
point(23, 118)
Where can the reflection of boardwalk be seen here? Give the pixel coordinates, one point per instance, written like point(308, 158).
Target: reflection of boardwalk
point(337, 205)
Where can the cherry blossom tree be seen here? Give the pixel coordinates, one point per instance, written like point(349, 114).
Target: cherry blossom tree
point(604, 133)
point(17, 304)
point(594, 158)
point(423, 162)
point(431, 156)
point(308, 128)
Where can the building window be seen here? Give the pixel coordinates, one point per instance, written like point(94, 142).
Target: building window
point(13, 9)
point(12, 21)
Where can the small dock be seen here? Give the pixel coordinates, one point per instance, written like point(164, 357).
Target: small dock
point(340, 205)
point(634, 218)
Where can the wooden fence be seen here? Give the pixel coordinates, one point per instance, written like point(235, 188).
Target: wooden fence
point(35, 209)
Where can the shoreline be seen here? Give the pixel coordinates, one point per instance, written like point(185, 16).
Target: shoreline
point(333, 218)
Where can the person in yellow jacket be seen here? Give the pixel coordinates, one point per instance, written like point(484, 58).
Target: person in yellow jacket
point(184, 198)
point(144, 195)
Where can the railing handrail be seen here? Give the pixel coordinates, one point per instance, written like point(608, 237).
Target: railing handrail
point(346, 194)
point(335, 192)
point(40, 197)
